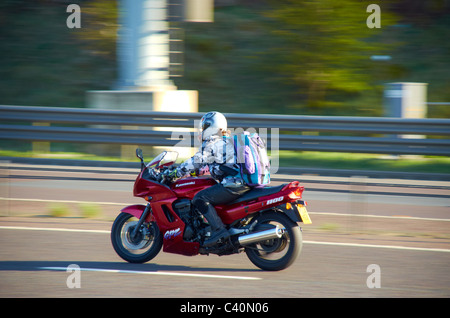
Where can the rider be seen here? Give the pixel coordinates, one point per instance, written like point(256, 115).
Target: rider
point(217, 153)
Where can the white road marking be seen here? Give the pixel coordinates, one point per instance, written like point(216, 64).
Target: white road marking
point(381, 246)
point(306, 242)
point(63, 201)
point(162, 273)
point(52, 229)
point(402, 217)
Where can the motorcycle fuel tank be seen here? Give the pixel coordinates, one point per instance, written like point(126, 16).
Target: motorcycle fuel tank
point(188, 187)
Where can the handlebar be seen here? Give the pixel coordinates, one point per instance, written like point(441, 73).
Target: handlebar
point(158, 175)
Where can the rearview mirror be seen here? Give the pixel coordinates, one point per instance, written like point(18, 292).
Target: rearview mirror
point(139, 153)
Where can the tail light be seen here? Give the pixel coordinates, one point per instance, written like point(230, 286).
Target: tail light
point(298, 192)
point(295, 188)
point(292, 184)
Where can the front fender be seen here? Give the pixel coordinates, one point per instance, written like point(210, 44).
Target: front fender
point(136, 210)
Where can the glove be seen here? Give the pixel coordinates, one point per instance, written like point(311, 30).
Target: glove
point(171, 174)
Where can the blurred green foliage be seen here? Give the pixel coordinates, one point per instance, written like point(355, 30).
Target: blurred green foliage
point(273, 56)
point(327, 48)
point(43, 62)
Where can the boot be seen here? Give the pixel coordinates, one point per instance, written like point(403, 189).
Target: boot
point(218, 229)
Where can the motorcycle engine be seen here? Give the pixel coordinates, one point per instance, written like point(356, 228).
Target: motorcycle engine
point(183, 208)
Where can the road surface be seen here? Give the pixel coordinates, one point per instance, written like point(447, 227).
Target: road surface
point(393, 237)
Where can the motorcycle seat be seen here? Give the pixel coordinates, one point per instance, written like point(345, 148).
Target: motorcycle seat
point(255, 193)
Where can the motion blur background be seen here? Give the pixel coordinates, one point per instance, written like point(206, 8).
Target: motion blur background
point(290, 57)
point(265, 56)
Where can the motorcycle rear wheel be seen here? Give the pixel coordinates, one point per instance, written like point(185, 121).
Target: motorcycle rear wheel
point(140, 249)
point(279, 253)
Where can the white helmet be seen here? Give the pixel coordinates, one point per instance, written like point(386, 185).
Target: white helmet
point(211, 124)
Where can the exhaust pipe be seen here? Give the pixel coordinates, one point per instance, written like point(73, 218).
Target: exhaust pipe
point(260, 236)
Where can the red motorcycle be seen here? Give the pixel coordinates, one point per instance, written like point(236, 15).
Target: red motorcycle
point(262, 222)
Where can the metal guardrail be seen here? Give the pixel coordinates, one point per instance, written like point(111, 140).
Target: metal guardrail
point(333, 133)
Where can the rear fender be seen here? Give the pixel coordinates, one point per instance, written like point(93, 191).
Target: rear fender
point(291, 213)
point(136, 211)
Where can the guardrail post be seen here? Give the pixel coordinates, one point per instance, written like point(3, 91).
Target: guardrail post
point(41, 146)
point(357, 203)
point(128, 151)
point(4, 188)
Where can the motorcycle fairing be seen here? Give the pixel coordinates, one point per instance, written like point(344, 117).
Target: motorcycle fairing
point(172, 227)
point(136, 210)
point(273, 198)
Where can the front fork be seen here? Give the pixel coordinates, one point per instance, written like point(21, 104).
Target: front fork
point(144, 215)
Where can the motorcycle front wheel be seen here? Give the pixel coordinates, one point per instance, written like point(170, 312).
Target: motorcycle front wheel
point(280, 253)
point(139, 248)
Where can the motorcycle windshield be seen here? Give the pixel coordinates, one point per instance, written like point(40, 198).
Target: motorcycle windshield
point(166, 158)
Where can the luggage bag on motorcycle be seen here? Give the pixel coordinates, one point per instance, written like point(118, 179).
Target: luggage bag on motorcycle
point(251, 155)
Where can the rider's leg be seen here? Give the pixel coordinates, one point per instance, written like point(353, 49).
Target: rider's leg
point(217, 227)
point(205, 200)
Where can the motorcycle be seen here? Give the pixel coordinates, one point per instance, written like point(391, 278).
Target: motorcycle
point(263, 222)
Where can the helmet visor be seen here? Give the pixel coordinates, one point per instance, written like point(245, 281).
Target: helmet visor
point(207, 120)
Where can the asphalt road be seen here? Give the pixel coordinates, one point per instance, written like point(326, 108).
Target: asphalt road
point(401, 226)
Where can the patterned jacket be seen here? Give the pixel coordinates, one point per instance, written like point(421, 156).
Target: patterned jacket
point(216, 153)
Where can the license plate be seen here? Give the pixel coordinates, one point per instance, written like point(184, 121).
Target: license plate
point(304, 214)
